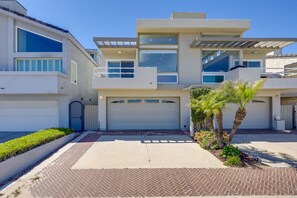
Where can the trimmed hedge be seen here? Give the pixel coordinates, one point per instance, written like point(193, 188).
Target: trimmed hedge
point(21, 145)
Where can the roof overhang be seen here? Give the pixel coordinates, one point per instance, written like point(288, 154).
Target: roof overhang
point(114, 42)
point(242, 43)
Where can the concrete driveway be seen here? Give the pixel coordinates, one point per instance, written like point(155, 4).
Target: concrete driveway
point(6, 136)
point(141, 151)
point(276, 150)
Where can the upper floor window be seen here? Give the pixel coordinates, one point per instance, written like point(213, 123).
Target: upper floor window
point(158, 39)
point(252, 63)
point(73, 72)
point(219, 60)
point(38, 64)
point(120, 69)
point(164, 60)
point(31, 42)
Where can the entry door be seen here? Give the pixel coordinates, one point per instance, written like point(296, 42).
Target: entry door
point(76, 116)
point(143, 113)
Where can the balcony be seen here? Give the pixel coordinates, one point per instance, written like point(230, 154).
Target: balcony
point(138, 78)
point(21, 82)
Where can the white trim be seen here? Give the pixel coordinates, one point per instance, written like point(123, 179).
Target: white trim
point(167, 74)
point(213, 74)
point(74, 64)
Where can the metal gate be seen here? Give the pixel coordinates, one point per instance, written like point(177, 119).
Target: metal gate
point(76, 116)
point(288, 115)
point(91, 118)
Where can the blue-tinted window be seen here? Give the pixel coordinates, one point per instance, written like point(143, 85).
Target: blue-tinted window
point(30, 42)
point(38, 65)
point(219, 61)
point(213, 78)
point(164, 60)
point(160, 39)
point(163, 79)
point(254, 64)
point(120, 69)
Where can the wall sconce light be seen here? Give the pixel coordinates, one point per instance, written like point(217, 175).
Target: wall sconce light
point(100, 97)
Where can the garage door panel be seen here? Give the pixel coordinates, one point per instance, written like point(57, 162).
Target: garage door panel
point(258, 115)
point(28, 115)
point(143, 113)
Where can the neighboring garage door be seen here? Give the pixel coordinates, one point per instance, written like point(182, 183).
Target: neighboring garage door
point(28, 115)
point(143, 113)
point(258, 115)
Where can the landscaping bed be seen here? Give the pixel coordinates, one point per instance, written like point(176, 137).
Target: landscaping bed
point(229, 155)
point(23, 144)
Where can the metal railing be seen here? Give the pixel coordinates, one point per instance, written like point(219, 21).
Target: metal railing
point(279, 72)
point(113, 72)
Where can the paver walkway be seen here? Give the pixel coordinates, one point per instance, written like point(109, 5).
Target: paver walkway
point(59, 180)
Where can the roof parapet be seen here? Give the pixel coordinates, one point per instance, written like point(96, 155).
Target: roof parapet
point(13, 5)
point(188, 15)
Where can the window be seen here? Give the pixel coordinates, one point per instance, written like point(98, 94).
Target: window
point(164, 60)
point(168, 101)
point(212, 78)
point(167, 79)
point(38, 65)
point(134, 101)
point(151, 101)
point(120, 69)
point(159, 39)
point(218, 60)
point(73, 72)
point(31, 42)
point(252, 63)
point(118, 101)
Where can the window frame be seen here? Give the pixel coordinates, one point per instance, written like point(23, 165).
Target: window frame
point(175, 34)
point(160, 49)
point(213, 74)
point(73, 81)
point(168, 74)
point(120, 60)
point(254, 60)
point(17, 43)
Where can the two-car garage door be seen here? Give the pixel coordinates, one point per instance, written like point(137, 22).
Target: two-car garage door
point(28, 115)
point(142, 113)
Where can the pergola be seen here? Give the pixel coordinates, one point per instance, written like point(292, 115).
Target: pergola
point(112, 42)
point(242, 43)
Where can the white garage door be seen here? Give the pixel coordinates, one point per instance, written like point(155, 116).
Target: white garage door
point(28, 115)
point(258, 115)
point(143, 113)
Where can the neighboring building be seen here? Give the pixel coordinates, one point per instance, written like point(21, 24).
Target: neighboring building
point(43, 68)
point(144, 82)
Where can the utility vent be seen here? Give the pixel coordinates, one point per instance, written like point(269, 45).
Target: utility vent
point(13, 5)
point(188, 15)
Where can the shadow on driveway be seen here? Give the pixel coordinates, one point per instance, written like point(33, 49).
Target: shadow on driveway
point(277, 150)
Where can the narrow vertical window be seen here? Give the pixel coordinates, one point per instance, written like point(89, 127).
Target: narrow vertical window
point(73, 72)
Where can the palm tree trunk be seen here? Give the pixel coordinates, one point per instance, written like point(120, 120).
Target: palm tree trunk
point(239, 116)
point(209, 125)
point(219, 117)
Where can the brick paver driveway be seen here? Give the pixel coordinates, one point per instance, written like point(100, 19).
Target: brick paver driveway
point(59, 180)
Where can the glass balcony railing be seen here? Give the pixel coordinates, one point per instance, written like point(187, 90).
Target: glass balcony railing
point(38, 64)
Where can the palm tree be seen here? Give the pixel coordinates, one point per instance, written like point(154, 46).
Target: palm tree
point(211, 105)
point(242, 93)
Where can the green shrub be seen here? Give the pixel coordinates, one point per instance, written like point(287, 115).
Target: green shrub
point(233, 161)
point(21, 145)
point(230, 151)
point(207, 141)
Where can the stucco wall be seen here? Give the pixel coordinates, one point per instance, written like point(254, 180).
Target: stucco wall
point(279, 62)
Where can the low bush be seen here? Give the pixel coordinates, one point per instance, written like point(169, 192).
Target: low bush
point(233, 161)
point(21, 145)
point(207, 141)
point(230, 151)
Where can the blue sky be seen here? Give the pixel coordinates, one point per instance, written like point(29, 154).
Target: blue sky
point(88, 18)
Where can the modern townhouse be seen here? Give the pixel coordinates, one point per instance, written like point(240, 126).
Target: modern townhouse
point(144, 82)
point(43, 69)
